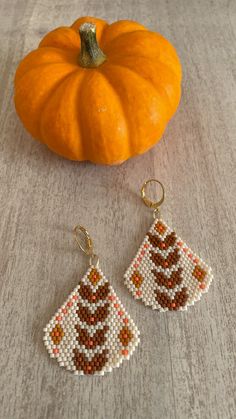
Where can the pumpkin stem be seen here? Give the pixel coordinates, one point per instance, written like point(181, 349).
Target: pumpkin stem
point(90, 55)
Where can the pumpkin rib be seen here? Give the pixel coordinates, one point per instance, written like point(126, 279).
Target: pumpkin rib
point(29, 115)
point(41, 66)
point(158, 84)
point(145, 43)
point(18, 76)
point(123, 34)
point(135, 141)
point(62, 107)
point(148, 80)
point(122, 107)
point(123, 26)
point(139, 75)
point(63, 37)
point(80, 120)
point(119, 59)
point(123, 111)
point(102, 146)
point(120, 56)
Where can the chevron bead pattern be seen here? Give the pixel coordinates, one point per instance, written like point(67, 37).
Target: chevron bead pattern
point(91, 333)
point(166, 274)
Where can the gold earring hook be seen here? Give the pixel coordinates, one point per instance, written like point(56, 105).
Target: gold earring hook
point(151, 204)
point(88, 247)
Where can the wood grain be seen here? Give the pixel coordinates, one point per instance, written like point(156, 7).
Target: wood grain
point(185, 365)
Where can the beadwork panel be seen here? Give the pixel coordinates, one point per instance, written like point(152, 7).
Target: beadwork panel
point(91, 333)
point(166, 274)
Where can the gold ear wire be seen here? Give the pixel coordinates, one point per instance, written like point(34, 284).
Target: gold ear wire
point(88, 247)
point(151, 204)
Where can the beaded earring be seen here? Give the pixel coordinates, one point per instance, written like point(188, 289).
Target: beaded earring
point(91, 333)
point(165, 273)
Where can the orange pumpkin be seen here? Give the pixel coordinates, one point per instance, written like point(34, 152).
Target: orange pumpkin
point(103, 105)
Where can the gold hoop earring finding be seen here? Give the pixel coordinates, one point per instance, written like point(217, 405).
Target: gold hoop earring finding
point(88, 248)
point(152, 204)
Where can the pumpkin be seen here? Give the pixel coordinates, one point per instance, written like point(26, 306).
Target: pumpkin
point(99, 92)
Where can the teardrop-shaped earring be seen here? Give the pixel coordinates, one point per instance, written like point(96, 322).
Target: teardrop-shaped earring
point(91, 333)
point(166, 274)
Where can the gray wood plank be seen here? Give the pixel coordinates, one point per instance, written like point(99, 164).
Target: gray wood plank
point(185, 365)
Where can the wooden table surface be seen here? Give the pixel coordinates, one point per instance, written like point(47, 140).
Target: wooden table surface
point(185, 365)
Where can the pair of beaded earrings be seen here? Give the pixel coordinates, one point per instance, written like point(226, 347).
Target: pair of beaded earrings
point(92, 333)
